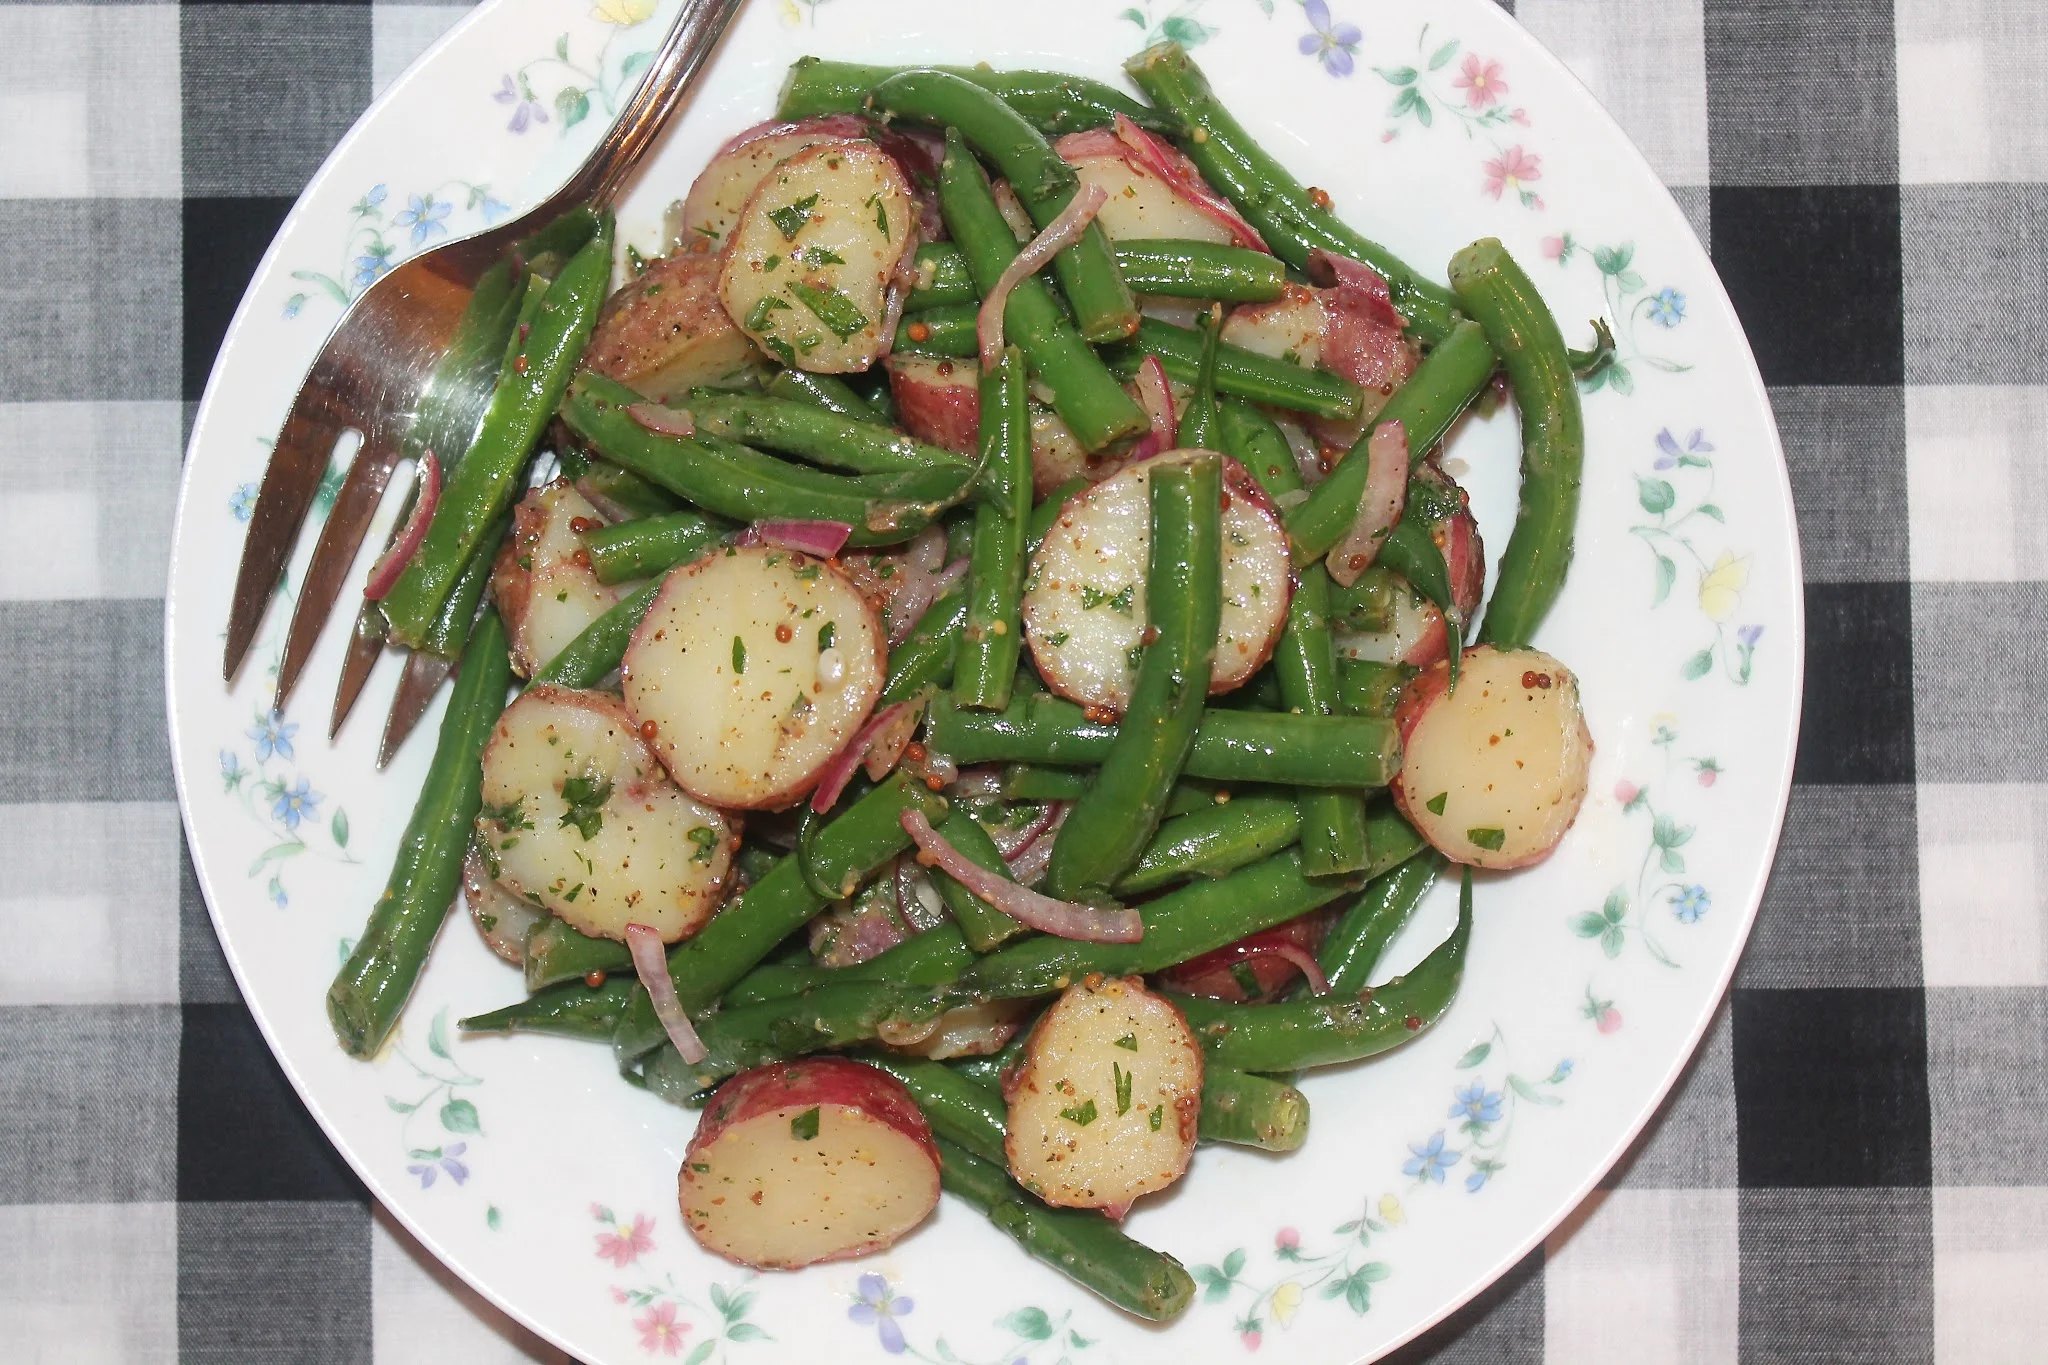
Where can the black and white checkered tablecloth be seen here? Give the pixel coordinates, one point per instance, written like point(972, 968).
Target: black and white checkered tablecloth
point(1856, 1168)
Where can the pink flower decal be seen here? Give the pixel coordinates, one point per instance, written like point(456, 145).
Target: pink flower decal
point(1287, 1240)
point(1553, 248)
point(1481, 81)
point(1609, 1020)
point(659, 1331)
point(624, 1245)
point(1512, 170)
point(1252, 1338)
point(1626, 792)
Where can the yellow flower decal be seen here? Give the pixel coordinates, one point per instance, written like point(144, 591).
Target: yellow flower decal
point(1286, 1299)
point(624, 13)
point(1391, 1210)
point(1721, 589)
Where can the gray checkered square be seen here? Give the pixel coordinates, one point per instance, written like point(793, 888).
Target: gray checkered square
point(1691, 1143)
point(400, 33)
point(274, 1284)
point(269, 90)
point(1837, 1276)
point(1976, 268)
point(1645, 63)
point(1846, 448)
point(88, 1104)
point(1970, 725)
point(1842, 907)
point(84, 719)
point(76, 327)
point(1801, 94)
point(1987, 1084)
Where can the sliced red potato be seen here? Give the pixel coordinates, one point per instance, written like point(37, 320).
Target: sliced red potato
point(1084, 600)
point(1417, 635)
point(1140, 204)
point(800, 1162)
point(1493, 771)
point(1056, 452)
point(1257, 967)
point(814, 254)
point(502, 916)
point(1102, 1108)
point(722, 188)
point(752, 668)
point(665, 332)
point(542, 582)
point(1340, 330)
point(938, 400)
point(579, 817)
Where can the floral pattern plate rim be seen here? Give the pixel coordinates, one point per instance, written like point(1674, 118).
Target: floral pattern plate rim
point(526, 1165)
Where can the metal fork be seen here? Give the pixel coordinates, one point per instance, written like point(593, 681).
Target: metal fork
point(371, 376)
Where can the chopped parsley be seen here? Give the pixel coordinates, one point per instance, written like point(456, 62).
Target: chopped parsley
point(783, 350)
point(881, 213)
point(804, 1127)
point(1058, 638)
point(770, 263)
point(1488, 839)
point(827, 633)
point(789, 220)
point(706, 840)
point(586, 797)
point(739, 655)
point(1129, 1042)
point(839, 313)
point(1158, 1116)
point(1084, 1115)
point(757, 319)
point(1123, 1089)
point(1435, 804)
point(821, 255)
point(509, 816)
point(1092, 597)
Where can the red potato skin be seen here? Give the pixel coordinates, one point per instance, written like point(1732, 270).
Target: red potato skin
point(1210, 975)
point(672, 304)
point(1465, 555)
point(937, 401)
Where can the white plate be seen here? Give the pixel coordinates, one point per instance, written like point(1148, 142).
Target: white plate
point(548, 1184)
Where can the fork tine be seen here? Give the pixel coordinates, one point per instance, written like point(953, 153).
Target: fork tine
point(340, 538)
point(424, 674)
point(304, 445)
point(365, 647)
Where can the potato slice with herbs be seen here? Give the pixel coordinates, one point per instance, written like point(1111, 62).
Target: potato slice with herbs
point(1103, 1107)
point(542, 582)
point(808, 270)
point(665, 332)
point(579, 818)
point(752, 668)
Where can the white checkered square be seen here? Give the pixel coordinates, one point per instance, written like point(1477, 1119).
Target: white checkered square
point(89, 1284)
point(87, 494)
point(1645, 1277)
point(399, 33)
point(1972, 105)
point(421, 1314)
point(1646, 63)
point(89, 893)
point(90, 96)
point(1990, 1260)
point(1973, 453)
point(1983, 892)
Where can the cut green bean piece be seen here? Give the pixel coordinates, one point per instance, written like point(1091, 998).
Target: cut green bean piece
point(1365, 688)
point(1173, 269)
point(815, 435)
point(1056, 103)
point(622, 488)
point(591, 657)
point(1214, 842)
point(946, 331)
point(570, 1010)
point(991, 644)
point(983, 926)
point(1252, 1111)
point(821, 391)
point(926, 659)
point(651, 545)
point(1241, 373)
point(1353, 947)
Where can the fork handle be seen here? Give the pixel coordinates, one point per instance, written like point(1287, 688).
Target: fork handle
point(695, 33)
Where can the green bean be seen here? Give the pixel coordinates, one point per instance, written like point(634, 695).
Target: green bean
point(371, 989)
point(1214, 842)
point(1174, 269)
point(963, 1113)
point(1085, 394)
point(651, 545)
point(926, 659)
point(1185, 922)
point(571, 1009)
point(1023, 782)
point(1055, 102)
point(931, 958)
point(1500, 296)
point(815, 435)
point(1368, 924)
point(590, 658)
point(1230, 746)
point(1048, 511)
point(946, 331)
point(1288, 216)
point(863, 837)
point(1333, 830)
point(1329, 1029)
point(1045, 184)
point(450, 631)
point(1201, 425)
point(776, 1030)
point(557, 953)
point(733, 481)
point(1109, 828)
point(1081, 1244)
point(485, 483)
point(1392, 839)
point(1252, 1111)
point(985, 665)
point(983, 926)
point(1242, 373)
point(623, 488)
point(821, 391)
point(1368, 604)
point(1442, 387)
point(1365, 688)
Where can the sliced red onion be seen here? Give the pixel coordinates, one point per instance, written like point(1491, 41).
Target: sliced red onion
point(1062, 919)
point(1155, 395)
point(650, 960)
point(1061, 233)
point(612, 512)
point(945, 578)
point(822, 539)
point(1318, 983)
point(1095, 142)
point(1029, 867)
point(983, 779)
point(1330, 270)
point(840, 770)
point(885, 749)
point(1308, 454)
point(829, 125)
point(1386, 493)
point(663, 421)
point(928, 550)
point(912, 887)
point(1172, 166)
point(384, 573)
point(1012, 843)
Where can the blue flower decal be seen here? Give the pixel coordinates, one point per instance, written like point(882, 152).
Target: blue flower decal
point(1690, 903)
point(1667, 307)
point(1430, 1160)
point(294, 305)
point(875, 1303)
point(231, 771)
point(1564, 1069)
point(294, 804)
point(425, 215)
point(1476, 1181)
point(1747, 636)
point(242, 505)
point(277, 893)
point(1671, 454)
point(273, 735)
point(372, 265)
point(371, 202)
point(1476, 1104)
point(435, 1160)
point(1335, 45)
point(494, 209)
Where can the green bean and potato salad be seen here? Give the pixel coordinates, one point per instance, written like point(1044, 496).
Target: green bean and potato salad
point(994, 656)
